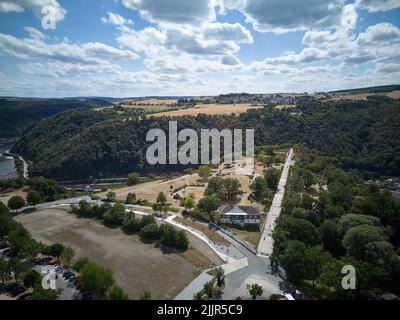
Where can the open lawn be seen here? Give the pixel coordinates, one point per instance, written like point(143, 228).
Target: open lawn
point(210, 109)
point(138, 267)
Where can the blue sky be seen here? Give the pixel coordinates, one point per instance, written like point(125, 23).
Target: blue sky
point(178, 47)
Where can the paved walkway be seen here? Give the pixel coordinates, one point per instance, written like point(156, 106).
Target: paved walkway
point(266, 245)
point(195, 286)
point(201, 236)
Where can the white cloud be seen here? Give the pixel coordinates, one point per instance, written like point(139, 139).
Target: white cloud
point(378, 5)
point(307, 55)
point(36, 6)
point(174, 11)
point(379, 33)
point(286, 15)
point(227, 32)
point(116, 20)
point(34, 46)
point(6, 6)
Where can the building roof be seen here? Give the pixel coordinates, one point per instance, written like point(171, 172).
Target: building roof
point(238, 210)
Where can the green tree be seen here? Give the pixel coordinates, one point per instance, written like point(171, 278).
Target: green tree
point(131, 226)
point(189, 202)
point(39, 293)
point(367, 243)
point(66, 256)
point(330, 237)
point(15, 203)
point(272, 177)
point(255, 290)
point(295, 261)
point(161, 199)
point(31, 278)
point(96, 279)
point(333, 212)
point(80, 263)
point(147, 219)
point(231, 190)
point(133, 178)
point(115, 217)
point(33, 198)
point(259, 188)
point(300, 229)
point(54, 250)
point(198, 295)
point(209, 289)
point(117, 293)
point(131, 198)
point(214, 186)
point(204, 171)
point(18, 268)
point(173, 238)
point(150, 232)
point(111, 196)
point(4, 271)
point(349, 221)
point(220, 278)
point(209, 204)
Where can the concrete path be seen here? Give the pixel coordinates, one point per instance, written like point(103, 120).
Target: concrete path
point(194, 287)
point(266, 245)
point(199, 235)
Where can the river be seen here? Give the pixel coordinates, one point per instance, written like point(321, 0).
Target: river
point(6, 164)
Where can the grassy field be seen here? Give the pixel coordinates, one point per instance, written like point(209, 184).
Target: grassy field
point(138, 267)
point(210, 109)
point(211, 234)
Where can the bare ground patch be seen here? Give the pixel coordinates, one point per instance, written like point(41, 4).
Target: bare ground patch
point(138, 267)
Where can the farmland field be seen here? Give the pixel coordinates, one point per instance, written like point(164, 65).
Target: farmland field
point(210, 109)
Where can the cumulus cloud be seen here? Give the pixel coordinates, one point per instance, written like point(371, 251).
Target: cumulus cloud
point(6, 6)
point(34, 46)
point(286, 15)
point(379, 33)
point(173, 11)
point(116, 20)
point(228, 32)
point(36, 6)
point(378, 5)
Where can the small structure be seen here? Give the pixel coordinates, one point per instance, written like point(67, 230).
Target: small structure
point(239, 215)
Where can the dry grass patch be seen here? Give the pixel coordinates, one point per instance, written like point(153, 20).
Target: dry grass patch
point(210, 109)
point(197, 258)
point(210, 234)
point(137, 266)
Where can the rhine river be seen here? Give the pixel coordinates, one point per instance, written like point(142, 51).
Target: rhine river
point(6, 164)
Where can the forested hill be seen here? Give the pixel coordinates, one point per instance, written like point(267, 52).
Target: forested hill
point(18, 114)
point(363, 135)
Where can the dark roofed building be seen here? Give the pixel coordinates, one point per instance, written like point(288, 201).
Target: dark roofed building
point(239, 214)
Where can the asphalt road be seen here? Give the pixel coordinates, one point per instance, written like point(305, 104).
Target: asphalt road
point(257, 268)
